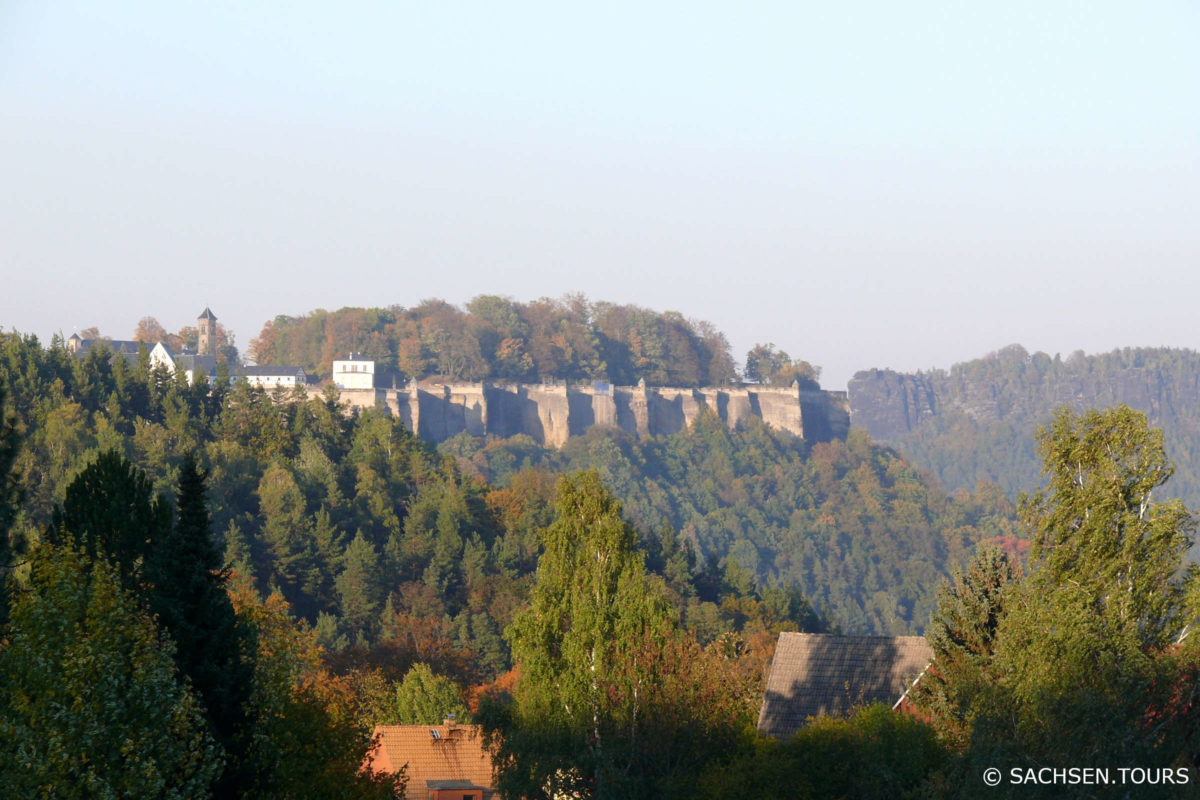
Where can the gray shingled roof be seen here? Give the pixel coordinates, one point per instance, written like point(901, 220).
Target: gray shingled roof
point(195, 363)
point(817, 673)
point(272, 371)
point(207, 314)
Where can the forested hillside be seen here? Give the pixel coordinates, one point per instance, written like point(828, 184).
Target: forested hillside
point(864, 536)
point(976, 421)
point(570, 339)
point(366, 531)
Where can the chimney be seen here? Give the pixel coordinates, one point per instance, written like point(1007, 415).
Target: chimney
point(450, 721)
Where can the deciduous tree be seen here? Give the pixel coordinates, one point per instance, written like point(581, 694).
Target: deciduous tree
point(92, 705)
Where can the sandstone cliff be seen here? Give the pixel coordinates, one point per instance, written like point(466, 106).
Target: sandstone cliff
point(551, 413)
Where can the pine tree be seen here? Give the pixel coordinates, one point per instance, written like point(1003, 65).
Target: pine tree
point(213, 648)
point(10, 495)
point(112, 511)
point(962, 634)
point(358, 587)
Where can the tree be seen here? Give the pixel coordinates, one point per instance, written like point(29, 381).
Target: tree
point(150, 331)
point(306, 744)
point(577, 710)
point(112, 511)
point(1084, 669)
point(10, 494)
point(763, 361)
point(92, 705)
point(424, 698)
point(358, 587)
point(962, 634)
point(213, 648)
point(1096, 528)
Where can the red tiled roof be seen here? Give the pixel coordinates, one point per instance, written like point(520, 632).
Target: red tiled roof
point(455, 754)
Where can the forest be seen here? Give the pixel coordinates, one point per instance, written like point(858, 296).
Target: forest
point(976, 421)
point(270, 576)
point(567, 339)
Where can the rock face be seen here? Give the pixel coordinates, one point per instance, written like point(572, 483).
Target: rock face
point(551, 413)
point(977, 420)
point(889, 404)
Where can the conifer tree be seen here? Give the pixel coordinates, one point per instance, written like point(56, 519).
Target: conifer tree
point(10, 495)
point(213, 648)
point(111, 510)
point(962, 634)
point(358, 587)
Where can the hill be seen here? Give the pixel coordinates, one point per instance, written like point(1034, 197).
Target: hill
point(975, 422)
point(375, 538)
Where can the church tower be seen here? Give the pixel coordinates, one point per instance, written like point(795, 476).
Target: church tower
point(206, 323)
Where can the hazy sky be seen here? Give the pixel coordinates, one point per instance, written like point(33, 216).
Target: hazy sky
point(880, 184)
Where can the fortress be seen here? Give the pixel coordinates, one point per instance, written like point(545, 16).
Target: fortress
point(551, 413)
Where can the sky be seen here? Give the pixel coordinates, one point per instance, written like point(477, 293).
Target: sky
point(864, 184)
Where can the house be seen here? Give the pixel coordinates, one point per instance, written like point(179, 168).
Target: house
point(80, 347)
point(442, 762)
point(817, 673)
point(192, 363)
point(274, 377)
point(354, 372)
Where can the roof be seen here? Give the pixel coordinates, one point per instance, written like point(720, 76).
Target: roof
point(354, 357)
point(270, 371)
point(818, 673)
point(194, 363)
point(129, 350)
point(123, 347)
point(455, 754)
point(207, 314)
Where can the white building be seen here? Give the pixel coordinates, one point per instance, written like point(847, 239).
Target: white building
point(190, 363)
point(275, 377)
point(354, 372)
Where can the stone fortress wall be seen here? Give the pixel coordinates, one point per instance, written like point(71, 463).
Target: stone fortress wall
point(551, 413)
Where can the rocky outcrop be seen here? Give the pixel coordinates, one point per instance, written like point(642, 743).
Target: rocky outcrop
point(551, 413)
point(889, 404)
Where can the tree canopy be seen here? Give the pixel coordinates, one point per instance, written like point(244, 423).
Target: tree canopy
point(495, 337)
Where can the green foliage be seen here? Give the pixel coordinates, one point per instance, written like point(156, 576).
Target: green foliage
point(305, 743)
point(876, 753)
point(976, 421)
point(962, 634)
point(112, 511)
point(424, 698)
point(613, 699)
point(1096, 528)
point(213, 648)
point(10, 495)
point(858, 531)
point(765, 364)
point(544, 340)
point(591, 603)
point(92, 705)
point(1080, 668)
